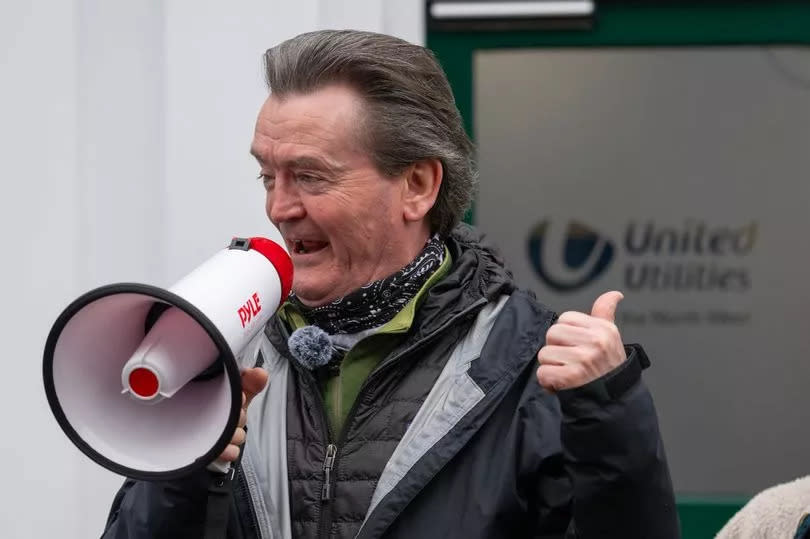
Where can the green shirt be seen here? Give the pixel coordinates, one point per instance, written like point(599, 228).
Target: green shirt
point(340, 392)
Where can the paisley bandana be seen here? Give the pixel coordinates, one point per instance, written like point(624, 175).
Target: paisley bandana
point(376, 303)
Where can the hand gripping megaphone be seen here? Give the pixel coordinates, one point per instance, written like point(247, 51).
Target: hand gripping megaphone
point(146, 380)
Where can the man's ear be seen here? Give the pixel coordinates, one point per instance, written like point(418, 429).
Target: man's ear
point(421, 187)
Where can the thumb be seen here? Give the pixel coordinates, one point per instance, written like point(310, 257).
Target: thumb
point(253, 381)
point(605, 305)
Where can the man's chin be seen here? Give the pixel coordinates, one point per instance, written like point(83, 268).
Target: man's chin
point(312, 296)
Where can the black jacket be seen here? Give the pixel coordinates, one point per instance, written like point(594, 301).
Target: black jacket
point(451, 436)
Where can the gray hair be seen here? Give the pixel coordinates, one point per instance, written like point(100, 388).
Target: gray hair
point(411, 114)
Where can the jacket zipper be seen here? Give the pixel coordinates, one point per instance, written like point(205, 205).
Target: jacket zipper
point(328, 464)
point(331, 460)
point(243, 490)
point(331, 449)
point(325, 518)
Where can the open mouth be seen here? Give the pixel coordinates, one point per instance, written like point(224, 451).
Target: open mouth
point(302, 247)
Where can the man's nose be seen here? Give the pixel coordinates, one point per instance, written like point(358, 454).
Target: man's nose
point(284, 201)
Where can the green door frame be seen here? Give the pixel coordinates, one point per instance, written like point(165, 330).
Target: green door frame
point(641, 24)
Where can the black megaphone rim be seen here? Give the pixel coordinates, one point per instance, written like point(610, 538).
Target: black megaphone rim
point(225, 355)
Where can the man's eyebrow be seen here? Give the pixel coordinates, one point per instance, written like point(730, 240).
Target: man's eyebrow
point(305, 161)
point(313, 163)
point(255, 153)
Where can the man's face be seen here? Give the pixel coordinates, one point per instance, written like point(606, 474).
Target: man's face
point(342, 220)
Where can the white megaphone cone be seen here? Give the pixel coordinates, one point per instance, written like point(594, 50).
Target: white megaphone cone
point(146, 380)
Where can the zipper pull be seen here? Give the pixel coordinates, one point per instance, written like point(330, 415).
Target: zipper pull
point(328, 464)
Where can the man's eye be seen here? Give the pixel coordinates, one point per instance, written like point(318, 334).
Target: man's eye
point(267, 180)
point(308, 178)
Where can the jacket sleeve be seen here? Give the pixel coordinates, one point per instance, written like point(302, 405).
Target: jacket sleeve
point(162, 509)
point(614, 457)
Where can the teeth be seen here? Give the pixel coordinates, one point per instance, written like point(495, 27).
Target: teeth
point(298, 246)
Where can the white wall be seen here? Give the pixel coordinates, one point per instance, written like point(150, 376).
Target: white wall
point(124, 135)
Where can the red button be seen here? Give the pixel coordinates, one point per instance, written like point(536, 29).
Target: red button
point(143, 383)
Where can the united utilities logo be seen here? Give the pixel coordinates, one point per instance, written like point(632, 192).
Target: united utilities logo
point(568, 257)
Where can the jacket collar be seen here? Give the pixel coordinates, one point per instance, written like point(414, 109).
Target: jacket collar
point(477, 273)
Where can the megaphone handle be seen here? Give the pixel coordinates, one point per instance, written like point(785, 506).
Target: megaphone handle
point(219, 500)
point(219, 496)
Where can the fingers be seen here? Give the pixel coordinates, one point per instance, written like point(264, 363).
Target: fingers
point(605, 305)
point(562, 334)
point(581, 347)
point(577, 363)
point(555, 378)
point(557, 355)
point(575, 318)
point(239, 436)
point(253, 381)
point(585, 332)
point(230, 454)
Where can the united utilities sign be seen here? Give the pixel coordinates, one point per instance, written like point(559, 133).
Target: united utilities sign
point(693, 256)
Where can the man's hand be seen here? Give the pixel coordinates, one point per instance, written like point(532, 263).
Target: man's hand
point(253, 381)
point(580, 348)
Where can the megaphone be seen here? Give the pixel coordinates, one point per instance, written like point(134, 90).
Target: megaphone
point(145, 380)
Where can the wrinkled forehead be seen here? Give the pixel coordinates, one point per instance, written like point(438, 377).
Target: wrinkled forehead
point(325, 121)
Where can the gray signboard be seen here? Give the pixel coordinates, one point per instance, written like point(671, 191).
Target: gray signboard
point(679, 176)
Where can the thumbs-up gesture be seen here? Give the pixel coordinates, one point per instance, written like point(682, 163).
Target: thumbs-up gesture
point(580, 347)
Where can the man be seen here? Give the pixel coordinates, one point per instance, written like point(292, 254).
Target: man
point(432, 418)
